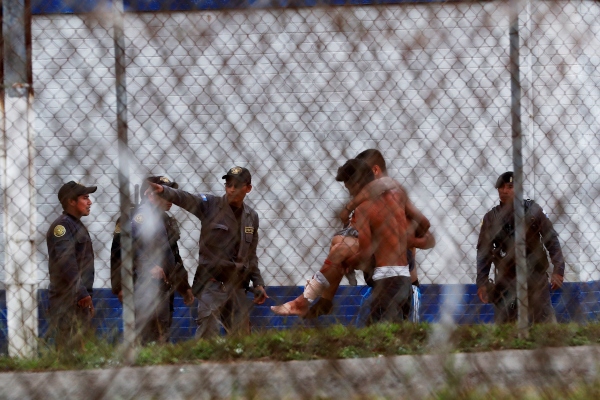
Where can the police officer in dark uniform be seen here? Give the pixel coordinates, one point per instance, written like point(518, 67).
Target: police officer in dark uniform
point(496, 245)
point(158, 267)
point(228, 260)
point(71, 267)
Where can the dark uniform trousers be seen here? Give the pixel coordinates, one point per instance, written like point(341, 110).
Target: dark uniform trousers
point(152, 310)
point(389, 299)
point(538, 297)
point(69, 324)
point(223, 305)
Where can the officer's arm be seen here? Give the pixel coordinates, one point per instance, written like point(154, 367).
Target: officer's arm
point(195, 204)
point(66, 257)
point(255, 275)
point(179, 276)
point(550, 240)
point(115, 261)
point(484, 253)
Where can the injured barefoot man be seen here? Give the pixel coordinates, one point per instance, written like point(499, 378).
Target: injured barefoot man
point(387, 223)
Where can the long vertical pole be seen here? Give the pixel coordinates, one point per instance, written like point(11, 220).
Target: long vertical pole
point(517, 138)
point(129, 335)
point(18, 179)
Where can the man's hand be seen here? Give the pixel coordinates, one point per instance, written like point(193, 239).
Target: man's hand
point(120, 296)
point(260, 295)
point(556, 281)
point(188, 298)
point(483, 294)
point(154, 188)
point(86, 303)
point(157, 273)
point(425, 242)
point(345, 215)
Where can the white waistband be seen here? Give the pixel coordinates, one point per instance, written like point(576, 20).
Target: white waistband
point(390, 272)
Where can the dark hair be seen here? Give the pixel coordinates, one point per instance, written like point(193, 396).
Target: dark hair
point(354, 172)
point(64, 202)
point(373, 157)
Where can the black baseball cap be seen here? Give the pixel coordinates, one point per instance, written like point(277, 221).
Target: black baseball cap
point(161, 180)
point(72, 189)
point(353, 171)
point(240, 173)
point(506, 177)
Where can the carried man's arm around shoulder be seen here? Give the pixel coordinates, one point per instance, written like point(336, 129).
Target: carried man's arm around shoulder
point(365, 249)
point(371, 190)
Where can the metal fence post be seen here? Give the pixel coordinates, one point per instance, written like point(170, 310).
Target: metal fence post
point(129, 334)
point(19, 180)
point(517, 139)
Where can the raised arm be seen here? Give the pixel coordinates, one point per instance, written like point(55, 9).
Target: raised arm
point(192, 203)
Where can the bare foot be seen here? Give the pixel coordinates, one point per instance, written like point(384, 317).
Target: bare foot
point(297, 307)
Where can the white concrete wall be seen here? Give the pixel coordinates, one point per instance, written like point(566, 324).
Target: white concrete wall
point(292, 94)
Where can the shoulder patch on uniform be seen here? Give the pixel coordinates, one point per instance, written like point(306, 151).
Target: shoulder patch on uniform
point(59, 231)
point(249, 229)
point(139, 218)
point(117, 228)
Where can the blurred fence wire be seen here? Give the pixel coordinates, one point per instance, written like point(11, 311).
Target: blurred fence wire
point(292, 91)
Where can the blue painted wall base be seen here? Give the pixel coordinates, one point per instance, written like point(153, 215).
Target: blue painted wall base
point(578, 302)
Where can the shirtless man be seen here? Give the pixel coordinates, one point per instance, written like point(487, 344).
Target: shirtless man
point(382, 226)
point(356, 174)
point(345, 243)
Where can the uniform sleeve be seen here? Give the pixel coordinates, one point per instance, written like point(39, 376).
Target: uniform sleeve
point(66, 261)
point(550, 241)
point(115, 264)
point(255, 275)
point(115, 260)
point(484, 252)
point(179, 276)
point(195, 204)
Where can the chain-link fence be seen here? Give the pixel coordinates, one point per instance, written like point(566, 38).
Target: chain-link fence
point(291, 94)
